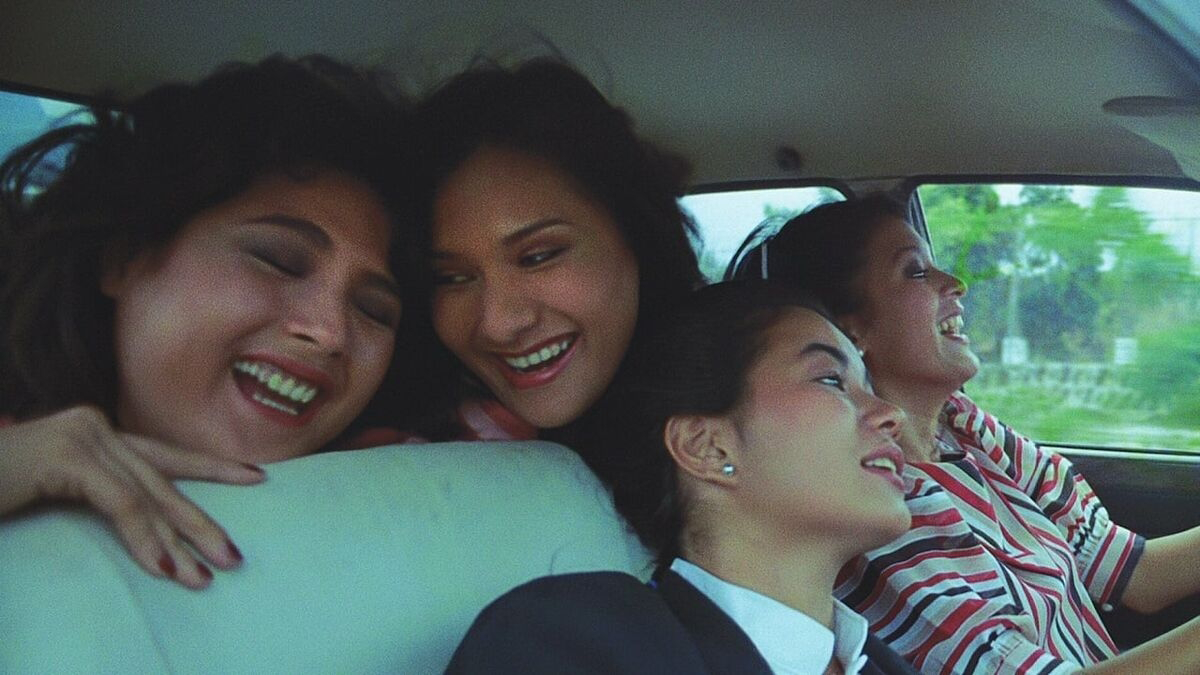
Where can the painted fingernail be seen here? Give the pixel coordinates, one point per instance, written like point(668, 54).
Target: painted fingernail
point(204, 571)
point(167, 565)
point(233, 550)
point(251, 467)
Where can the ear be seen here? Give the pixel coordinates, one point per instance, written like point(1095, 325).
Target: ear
point(701, 446)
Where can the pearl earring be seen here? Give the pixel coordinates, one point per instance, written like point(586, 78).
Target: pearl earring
point(728, 469)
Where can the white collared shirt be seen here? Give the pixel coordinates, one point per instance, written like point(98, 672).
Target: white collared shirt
point(792, 642)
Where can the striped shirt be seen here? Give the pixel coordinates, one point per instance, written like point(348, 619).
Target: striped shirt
point(1007, 550)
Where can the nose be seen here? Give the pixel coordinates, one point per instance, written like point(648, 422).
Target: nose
point(952, 285)
point(884, 416)
point(318, 316)
point(506, 309)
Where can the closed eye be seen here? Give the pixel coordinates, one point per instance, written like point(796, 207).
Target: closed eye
point(382, 311)
point(287, 264)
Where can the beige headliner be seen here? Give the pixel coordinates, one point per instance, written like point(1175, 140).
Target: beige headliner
point(860, 88)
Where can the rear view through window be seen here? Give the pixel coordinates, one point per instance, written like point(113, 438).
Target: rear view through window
point(26, 116)
point(724, 219)
point(1081, 306)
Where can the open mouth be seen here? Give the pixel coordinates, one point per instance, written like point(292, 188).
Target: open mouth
point(886, 463)
point(273, 387)
point(952, 326)
point(540, 359)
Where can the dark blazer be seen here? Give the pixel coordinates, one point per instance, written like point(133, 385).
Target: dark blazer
point(610, 622)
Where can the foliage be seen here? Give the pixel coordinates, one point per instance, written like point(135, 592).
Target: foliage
point(1168, 371)
point(1066, 276)
point(1071, 275)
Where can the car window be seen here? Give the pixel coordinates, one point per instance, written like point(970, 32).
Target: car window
point(1081, 307)
point(26, 116)
point(725, 218)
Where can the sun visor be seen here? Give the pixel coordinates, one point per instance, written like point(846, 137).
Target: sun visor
point(1170, 123)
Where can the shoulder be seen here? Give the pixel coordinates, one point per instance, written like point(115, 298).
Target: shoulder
point(613, 599)
point(583, 585)
point(594, 622)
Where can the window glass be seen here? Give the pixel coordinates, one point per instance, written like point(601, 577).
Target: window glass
point(1083, 306)
point(25, 117)
point(724, 219)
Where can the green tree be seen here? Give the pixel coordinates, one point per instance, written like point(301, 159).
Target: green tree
point(1067, 277)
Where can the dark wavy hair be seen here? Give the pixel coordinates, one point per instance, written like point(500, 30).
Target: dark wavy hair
point(822, 250)
point(693, 362)
point(127, 178)
point(545, 108)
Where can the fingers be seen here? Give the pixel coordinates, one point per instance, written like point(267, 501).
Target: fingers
point(145, 532)
point(76, 454)
point(176, 463)
point(183, 517)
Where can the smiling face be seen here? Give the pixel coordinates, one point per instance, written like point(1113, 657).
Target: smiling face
point(910, 323)
point(264, 327)
point(816, 451)
point(537, 289)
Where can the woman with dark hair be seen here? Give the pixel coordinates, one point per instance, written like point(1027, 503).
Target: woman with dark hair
point(555, 233)
point(757, 461)
point(1009, 547)
point(213, 278)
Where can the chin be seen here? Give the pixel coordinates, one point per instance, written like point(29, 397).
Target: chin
point(969, 368)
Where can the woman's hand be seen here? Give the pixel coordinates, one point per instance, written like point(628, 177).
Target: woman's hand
point(76, 454)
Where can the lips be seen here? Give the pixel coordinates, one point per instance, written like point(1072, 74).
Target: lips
point(540, 364)
point(286, 393)
point(543, 357)
point(951, 327)
point(887, 462)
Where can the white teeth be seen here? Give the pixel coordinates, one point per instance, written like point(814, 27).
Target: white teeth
point(271, 403)
point(951, 326)
point(881, 463)
point(277, 381)
point(539, 357)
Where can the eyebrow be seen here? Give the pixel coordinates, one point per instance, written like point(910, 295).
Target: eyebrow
point(903, 250)
point(319, 238)
point(531, 229)
point(515, 236)
point(837, 354)
point(305, 228)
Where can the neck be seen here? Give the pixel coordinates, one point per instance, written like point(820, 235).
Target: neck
point(922, 408)
point(801, 576)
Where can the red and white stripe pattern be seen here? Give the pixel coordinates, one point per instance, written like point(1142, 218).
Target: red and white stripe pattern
point(994, 576)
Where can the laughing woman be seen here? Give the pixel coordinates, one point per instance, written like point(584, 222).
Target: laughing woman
point(758, 461)
point(1010, 551)
point(211, 279)
point(555, 233)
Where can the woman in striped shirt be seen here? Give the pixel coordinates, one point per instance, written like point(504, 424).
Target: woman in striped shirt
point(1010, 551)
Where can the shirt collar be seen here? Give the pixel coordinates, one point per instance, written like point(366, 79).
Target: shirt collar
point(789, 640)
